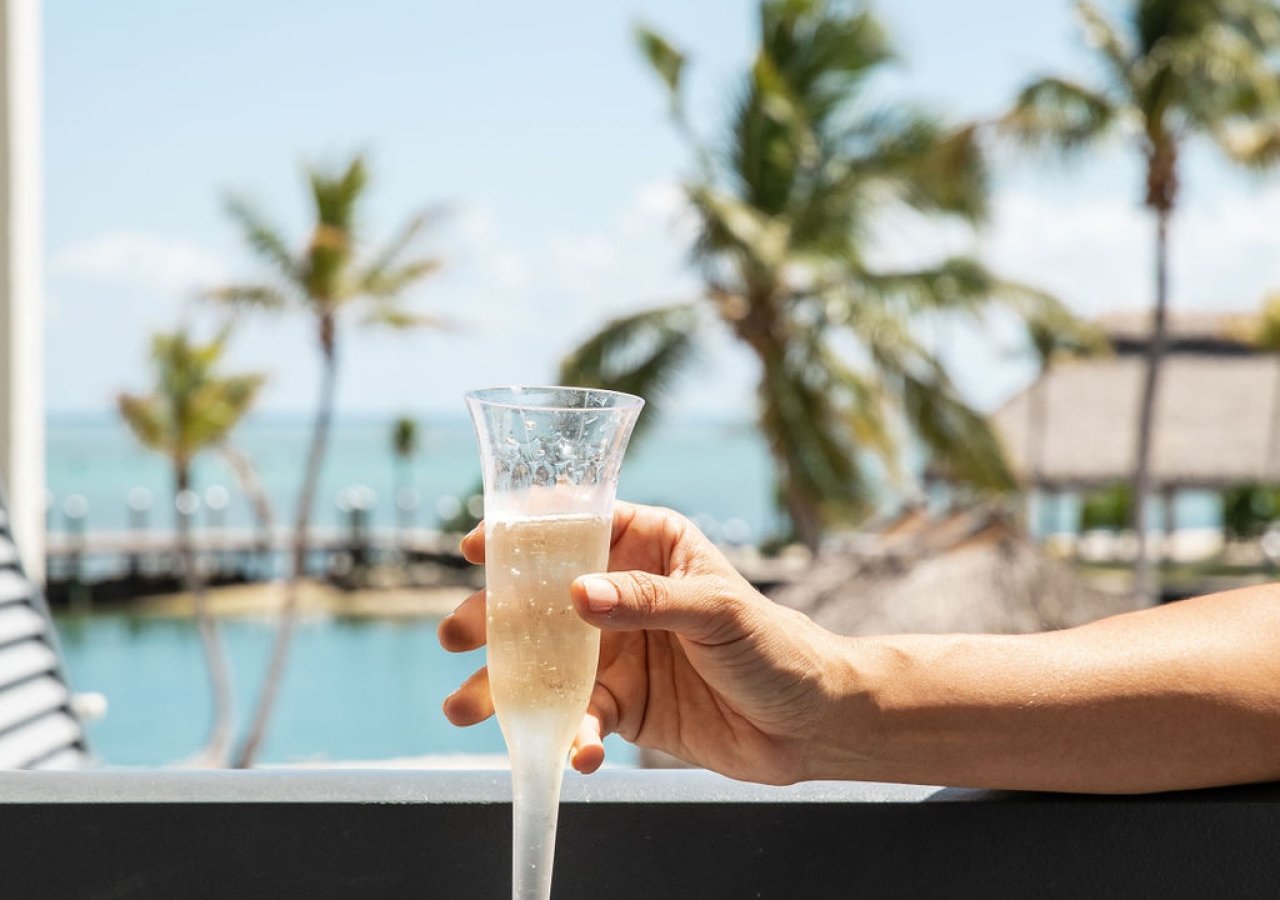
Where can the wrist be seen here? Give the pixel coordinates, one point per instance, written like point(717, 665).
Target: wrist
point(849, 735)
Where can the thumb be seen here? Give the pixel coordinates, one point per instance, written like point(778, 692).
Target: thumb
point(703, 608)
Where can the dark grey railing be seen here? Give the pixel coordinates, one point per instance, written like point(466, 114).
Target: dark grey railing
point(642, 835)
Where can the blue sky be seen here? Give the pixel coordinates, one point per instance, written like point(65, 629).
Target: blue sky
point(538, 126)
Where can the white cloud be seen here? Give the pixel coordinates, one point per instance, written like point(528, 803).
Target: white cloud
point(659, 207)
point(1098, 255)
point(165, 265)
point(592, 252)
point(1094, 255)
point(1226, 251)
point(476, 226)
point(511, 271)
point(584, 265)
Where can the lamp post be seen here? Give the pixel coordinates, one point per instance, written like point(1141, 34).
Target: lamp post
point(139, 502)
point(216, 500)
point(75, 513)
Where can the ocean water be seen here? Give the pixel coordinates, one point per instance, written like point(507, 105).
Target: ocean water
point(715, 470)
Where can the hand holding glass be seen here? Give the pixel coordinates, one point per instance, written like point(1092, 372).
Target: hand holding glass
point(550, 459)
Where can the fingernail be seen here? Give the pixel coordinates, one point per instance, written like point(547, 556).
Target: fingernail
point(602, 596)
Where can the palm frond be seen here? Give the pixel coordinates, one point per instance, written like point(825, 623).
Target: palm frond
point(639, 354)
point(217, 406)
point(823, 51)
point(190, 406)
point(1159, 21)
point(336, 193)
point(387, 259)
point(145, 418)
point(249, 297)
point(206, 356)
point(1059, 114)
point(952, 177)
point(732, 226)
point(1224, 75)
point(959, 439)
point(663, 57)
point(394, 317)
point(959, 284)
point(865, 406)
point(1115, 48)
point(1252, 145)
point(1053, 330)
point(389, 280)
point(264, 238)
point(811, 441)
point(779, 103)
point(915, 157)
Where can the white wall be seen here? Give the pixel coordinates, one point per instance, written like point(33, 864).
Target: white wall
point(21, 299)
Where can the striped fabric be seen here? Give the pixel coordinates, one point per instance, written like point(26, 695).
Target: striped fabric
point(38, 729)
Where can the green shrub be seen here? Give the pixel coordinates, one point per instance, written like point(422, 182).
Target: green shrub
point(1108, 508)
point(1248, 509)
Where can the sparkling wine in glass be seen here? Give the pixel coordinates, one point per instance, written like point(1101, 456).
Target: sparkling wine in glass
point(550, 458)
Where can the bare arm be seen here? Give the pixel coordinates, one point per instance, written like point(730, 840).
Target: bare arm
point(1179, 696)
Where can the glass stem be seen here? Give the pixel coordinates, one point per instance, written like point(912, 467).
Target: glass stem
point(535, 804)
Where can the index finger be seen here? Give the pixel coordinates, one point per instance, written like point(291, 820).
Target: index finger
point(472, 545)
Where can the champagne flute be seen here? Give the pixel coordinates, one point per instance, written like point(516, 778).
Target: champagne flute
point(550, 459)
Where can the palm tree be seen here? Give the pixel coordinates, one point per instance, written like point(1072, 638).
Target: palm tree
point(1175, 70)
point(193, 408)
point(786, 203)
point(404, 446)
point(328, 281)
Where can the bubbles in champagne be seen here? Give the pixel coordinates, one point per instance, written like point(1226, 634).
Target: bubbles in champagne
point(542, 656)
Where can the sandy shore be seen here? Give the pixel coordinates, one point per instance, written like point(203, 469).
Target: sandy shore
point(314, 598)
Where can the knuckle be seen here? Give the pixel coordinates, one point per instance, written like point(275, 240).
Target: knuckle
point(668, 513)
point(648, 593)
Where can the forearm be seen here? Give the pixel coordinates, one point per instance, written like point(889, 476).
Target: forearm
point(1186, 695)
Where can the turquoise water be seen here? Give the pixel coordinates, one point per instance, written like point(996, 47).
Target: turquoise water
point(354, 690)
point(715, 470)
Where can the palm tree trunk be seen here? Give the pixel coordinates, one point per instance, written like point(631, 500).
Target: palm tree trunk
point(247, 477)
point(806, 520)
point(802, 508)
point(218, 747)
point(402, 481)
point(761, 329)
point(1145, 579)
point(1037, 423)
point(306, 499)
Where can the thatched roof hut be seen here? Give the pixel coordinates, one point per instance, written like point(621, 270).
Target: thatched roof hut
point(1076, 426)
point(968, 571)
